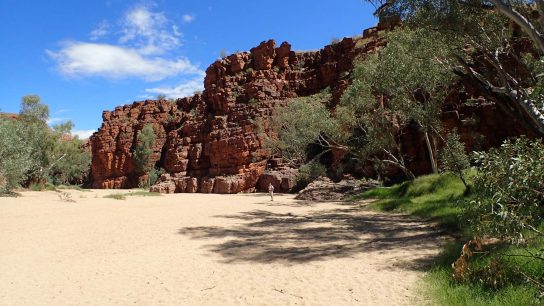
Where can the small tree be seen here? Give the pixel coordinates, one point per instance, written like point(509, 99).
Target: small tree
point(453, 156)
point(305, 120)
point(70, 160)
point(34, 115)
point(143, 152)
point(33, 110)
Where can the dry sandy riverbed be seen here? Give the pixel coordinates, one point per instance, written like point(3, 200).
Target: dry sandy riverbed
point(194, 249)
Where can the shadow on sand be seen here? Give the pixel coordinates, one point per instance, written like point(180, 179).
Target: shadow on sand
point(264, 236)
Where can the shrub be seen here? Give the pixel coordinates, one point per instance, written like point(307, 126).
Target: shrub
point(509, 191)
point(453, 157)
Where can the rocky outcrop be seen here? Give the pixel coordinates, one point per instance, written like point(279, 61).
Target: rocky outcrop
point(210, 142)
point(324, 189)
point(283, 180)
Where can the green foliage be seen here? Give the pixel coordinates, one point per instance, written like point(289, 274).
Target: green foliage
point(303, 121)
point(15, 155)
point(33, 110)
point(71, 162)
point(442, 290)
point(509, 191)
point(31, 151)
point(406, 82)
point(152, 177)
point(143, 151)
point(307, 173)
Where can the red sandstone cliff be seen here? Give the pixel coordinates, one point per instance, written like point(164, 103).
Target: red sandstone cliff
point(209, 142)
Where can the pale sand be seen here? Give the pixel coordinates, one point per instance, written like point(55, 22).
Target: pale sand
point(195, 249)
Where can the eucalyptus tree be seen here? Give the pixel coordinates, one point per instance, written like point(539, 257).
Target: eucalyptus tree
point(410, 78)
point(501, 41)
point(15, 155)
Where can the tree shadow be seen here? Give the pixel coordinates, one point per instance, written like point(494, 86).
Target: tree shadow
point(263, 236)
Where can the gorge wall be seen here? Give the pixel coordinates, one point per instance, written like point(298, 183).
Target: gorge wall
point(209, 142)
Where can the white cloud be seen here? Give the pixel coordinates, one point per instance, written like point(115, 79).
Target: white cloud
point(83, 134)
point(179, 91)
point(62, 111)
point(188, 18)
point(114, 62)
point(149, 31)
point(101, 30)
point(145, 38)
point(54, 120)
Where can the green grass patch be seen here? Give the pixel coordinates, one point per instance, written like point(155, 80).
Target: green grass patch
point(144, 194)
point(440, 287)
point(141, 193)
point(432, 197)
point(116, 196)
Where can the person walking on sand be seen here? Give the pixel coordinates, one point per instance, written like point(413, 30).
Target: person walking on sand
point(271, 191)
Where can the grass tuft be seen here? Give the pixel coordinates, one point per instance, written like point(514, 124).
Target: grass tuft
point(141, 193)
point(144, 194)
point(116, 196)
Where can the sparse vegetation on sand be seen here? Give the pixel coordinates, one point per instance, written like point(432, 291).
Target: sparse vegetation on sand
point(116, 196)
point(123, 196)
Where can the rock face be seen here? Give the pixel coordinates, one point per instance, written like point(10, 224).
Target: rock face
point(210, 142)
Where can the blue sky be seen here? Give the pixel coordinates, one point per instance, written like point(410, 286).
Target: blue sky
point(83, 57)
